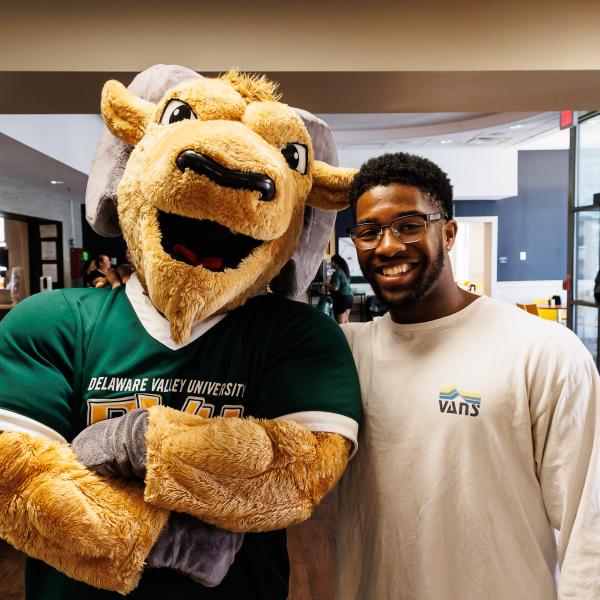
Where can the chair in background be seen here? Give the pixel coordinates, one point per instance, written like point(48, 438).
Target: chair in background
point(551, 313)
point(530, 308)
point(548, 313)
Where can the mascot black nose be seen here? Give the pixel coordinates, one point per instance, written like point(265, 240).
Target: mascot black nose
point(221, 175)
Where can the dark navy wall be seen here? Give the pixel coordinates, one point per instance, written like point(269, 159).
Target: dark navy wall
point(535, 221)
point(343, 220)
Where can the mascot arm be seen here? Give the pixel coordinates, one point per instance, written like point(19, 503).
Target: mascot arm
point(247, 474)
point(52, 508)
point(240, 474)
point(94, 529)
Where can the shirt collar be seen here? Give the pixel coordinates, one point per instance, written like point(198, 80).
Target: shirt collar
point(155, 324)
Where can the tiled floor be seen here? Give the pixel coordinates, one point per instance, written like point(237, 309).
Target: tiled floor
point(11, 573)
point(311, 547)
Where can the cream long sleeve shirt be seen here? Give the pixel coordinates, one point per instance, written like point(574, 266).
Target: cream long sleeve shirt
point(480, 435)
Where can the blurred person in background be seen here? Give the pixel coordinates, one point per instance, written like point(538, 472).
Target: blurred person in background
point(125, 271)
point(120, 275)
point(339, 287)
point(97, 276)
point(128, 257)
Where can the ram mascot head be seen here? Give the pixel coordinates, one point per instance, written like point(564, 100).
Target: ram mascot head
point(214, 180)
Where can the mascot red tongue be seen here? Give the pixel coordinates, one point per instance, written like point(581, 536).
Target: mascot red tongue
point(186, 389)
point(214, 263)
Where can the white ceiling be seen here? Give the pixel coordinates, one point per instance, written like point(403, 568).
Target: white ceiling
point(410, 131)
point(29, 145)
point(35, 170)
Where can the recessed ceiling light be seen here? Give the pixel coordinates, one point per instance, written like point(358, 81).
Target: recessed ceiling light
point(445, 141)
point(56, 182)
point(515, 126)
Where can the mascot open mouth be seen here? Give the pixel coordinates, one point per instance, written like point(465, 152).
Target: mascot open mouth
point(204, 243)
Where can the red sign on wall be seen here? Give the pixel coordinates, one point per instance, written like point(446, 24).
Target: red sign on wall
point(567, 119)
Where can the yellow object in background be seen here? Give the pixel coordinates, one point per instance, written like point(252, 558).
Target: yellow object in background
point(548, 313)
point(471, 286)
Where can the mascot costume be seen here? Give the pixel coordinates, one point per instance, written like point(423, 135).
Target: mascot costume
point(204, 414)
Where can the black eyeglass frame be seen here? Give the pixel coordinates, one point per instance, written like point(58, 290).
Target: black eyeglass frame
point(428, 218)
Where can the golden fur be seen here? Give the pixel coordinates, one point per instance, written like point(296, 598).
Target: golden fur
point(241, 125)
point(329, 189)
point(254, 88)
point(56, 510)
point(240, 474)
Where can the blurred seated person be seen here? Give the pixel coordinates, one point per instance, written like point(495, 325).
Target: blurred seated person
point(97, 276)
point(125, 270)
point(339, 286)
point(89, 269)
point(120, 275)
point(112, 279)
point(129, 257)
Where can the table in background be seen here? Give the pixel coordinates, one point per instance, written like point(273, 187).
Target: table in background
point(555, 309)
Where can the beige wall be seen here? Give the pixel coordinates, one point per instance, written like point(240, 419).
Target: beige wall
point(330, 57)
point(301, 36)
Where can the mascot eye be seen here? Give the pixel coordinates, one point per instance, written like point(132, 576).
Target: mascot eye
point(296, 156)
point(176, 110)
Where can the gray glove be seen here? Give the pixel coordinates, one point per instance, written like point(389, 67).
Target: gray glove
point(196, 549)
point(117, 448)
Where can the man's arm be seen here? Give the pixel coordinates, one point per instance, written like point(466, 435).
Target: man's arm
point(566, 446)
point(333, 284)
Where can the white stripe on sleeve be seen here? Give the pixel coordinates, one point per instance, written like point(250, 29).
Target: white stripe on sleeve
point(14, 422)
point(316, 420)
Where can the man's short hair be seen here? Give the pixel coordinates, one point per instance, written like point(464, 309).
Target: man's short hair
point(407, 169)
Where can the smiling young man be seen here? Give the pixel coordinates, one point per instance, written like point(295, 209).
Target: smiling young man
point(480, 421)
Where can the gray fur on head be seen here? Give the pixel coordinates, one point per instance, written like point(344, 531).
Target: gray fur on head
point(111, 156)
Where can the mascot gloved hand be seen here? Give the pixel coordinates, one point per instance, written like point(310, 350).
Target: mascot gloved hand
point(251, 399)
point(117, 448)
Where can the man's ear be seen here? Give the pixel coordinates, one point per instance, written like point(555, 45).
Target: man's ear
point(449, 233)
point(125, 114)
point(330, 186)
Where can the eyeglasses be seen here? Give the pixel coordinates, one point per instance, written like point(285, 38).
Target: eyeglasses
point(406, 229)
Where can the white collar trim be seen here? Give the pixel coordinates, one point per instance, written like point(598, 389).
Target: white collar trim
point(155, 324)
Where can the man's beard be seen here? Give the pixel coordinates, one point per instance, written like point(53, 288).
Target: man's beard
point(420, 290)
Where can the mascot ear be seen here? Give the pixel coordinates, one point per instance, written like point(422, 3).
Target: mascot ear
point(330, 186)
point(125, 114)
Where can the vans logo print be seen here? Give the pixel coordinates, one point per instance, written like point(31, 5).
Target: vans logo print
point(455, 402)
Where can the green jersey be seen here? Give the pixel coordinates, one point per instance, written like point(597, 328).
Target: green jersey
point(72, 358)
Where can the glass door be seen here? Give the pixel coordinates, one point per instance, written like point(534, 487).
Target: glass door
point(584, 229)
